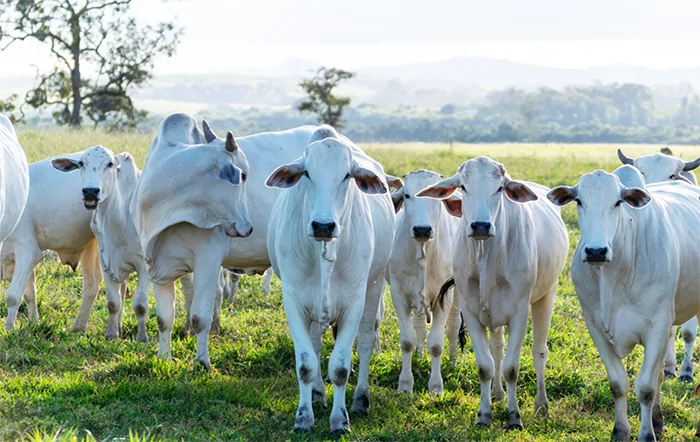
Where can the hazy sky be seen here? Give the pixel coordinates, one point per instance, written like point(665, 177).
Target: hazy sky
point(225, 35)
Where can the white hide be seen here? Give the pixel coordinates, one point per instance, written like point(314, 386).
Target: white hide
point(331, 275)
point(647, 282)
point(501, 278)
point(14, 179)
point(54, 219)
point(421, 261)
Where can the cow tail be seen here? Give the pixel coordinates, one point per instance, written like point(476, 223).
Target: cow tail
point(443, 291)
point(462, 333)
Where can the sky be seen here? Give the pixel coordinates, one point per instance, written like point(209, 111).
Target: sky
point(229, 36)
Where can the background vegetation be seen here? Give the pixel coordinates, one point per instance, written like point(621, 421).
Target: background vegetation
point(55, 385)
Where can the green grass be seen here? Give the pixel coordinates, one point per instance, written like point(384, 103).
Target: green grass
point(55, 385)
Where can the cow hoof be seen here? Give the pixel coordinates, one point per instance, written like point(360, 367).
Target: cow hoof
point(657, 419)
point(338, 432)
point(304, 420)
point(340, 424)
point(142, 337)
point(205, 363)
point(111, 335)
point(360, 404)
point(514, 422)
point(647, 437)
point(668, 374)
point(542, 407)
point(403, 388)
point(512, 427)
point(301, 430)
point(75, 329)
point(620, 434)
point(483, 420)
point(686, 378)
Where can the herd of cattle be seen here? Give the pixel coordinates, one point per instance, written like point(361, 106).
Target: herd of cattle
point(336, 235)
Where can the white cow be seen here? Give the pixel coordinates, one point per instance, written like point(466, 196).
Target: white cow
point(507, 259)
point(421, 261)
point(189, 201)
point(330, 241)
point(635, 271)
point(658, 168)
point(52, 220)
point(14, 179)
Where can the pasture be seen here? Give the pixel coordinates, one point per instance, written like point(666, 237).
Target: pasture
point(55, 385)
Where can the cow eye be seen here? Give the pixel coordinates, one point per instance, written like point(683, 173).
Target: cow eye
point(578, 202)
point(80, 164)
point(110, 164)
point(500, 189)
point(462, 187)
point(617, 204)
point(672, 177)
point(407, 196)
point(244, 176)
point(347, 177)
point(306, 174)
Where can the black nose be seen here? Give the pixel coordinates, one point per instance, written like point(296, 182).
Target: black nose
point(597, 254)
point(323, 230)
point(422, 231)
point(481, 228)
point(91, 192)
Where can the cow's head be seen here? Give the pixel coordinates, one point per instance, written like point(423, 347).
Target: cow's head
point(423, 214)
point(660, 167)
point(484, 185)
point(326, 170)
point(100, 169)
point(601, 200)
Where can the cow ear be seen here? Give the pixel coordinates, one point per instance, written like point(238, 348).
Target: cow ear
point(123, 157)
point(394, 182)
point(441, 189)
point(636, 197)
point(562, 195)
point(367, 181)
point(65, 164)
point(229, 172)
point(397, 199)
point(285, 176)
point(519, 192)
point(453, 205)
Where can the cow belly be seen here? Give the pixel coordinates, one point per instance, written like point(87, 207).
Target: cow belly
point(687, 306)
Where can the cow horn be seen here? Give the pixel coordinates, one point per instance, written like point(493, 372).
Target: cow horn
point(691, 165)
point(625, 159)
point(209, 134)
point(231, 145)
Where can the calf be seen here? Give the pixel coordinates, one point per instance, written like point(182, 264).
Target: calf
point(329, 241)
point(510, 248)
point(421, 260)
point(635, 274)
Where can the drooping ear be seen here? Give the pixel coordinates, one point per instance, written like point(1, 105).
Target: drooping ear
point(397, 199)
point(562, 195)
point(209, 134)
point(519, 192)
point(636, 197)
point(231, 145)
point(368, 181)
point(441, 189)
point(65, 164)
point(285, 176)
point(453, 204)
point(123, 157)
point(229, 172)
point(394, 182)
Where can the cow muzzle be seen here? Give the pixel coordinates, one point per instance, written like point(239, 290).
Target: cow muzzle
point(91, 197)
point(480, 230)
point(323, 231)
point(422, 233)
point(596, 255)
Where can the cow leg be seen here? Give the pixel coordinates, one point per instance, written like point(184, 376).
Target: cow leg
point(318, 390)
point(187, 282)
point(511, 368)
point(657, 418)
point(30, 297)
point(670, 358)
point(407, 337)
point(647, 379)
point(233, 287)
point(485, 367)
point(165, 313)
point(541, 320)
point(306, 362)
point(689, 332)
point(114, 306)
point(496, 346)
point(92, 277)
point(436, 342)
point(206, 272)
point(421, 328)
point(453, 323)
point(26, 258)
point(267, 281)
point(366, 336)
point(216, 316)
point(140, 303)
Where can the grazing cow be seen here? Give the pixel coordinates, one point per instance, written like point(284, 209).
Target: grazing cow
point(507, 259)
point(55, 220)
point(658, 168)
point(330, 240)
point(635, 274)
point(421, 260)
point(14, 179)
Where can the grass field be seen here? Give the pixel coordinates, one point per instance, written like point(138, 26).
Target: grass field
point(55, 385)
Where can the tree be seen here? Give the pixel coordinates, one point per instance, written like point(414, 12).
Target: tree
point(94, 37)
point(320, 98)
point(8, 108)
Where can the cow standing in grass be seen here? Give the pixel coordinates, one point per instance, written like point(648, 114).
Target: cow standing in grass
point(510, 248)
point(421, 261)
point(659, 168)
point(330, 237)
point(635, 271)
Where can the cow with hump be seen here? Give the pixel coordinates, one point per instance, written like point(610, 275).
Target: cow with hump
point(657, 168)
point(635, 270)
point(330, 237)
point(421, 260)
point(509, 250)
